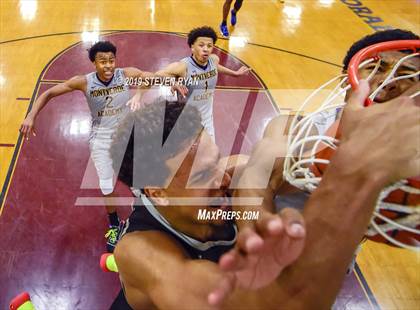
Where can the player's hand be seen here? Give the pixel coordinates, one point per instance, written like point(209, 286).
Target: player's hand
point(182, 89)
point(261, 252)
point(383, 138)
point(242, 71)
point(135, 102)
point(28, 127)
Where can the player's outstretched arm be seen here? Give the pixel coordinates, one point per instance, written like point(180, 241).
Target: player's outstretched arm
point(223, 70)
point(75, 83)
point(175, 69)
point(136, 73)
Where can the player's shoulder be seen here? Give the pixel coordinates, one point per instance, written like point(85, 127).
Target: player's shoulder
point(77, 82)
point(215, 58)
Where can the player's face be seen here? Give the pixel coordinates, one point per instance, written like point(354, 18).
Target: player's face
point(200, 177)
point(397, 88)
point(202, 48)
point(105, 65)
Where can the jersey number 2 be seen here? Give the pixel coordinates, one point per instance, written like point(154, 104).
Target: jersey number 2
point(108, 100)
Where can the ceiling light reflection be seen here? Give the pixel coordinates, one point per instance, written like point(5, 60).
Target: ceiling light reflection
point(28, 9)
point(237, 41)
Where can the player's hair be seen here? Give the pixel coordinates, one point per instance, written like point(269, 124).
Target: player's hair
point(101, 46)
point(377, 37)
point(204, 31)
point(142, 133)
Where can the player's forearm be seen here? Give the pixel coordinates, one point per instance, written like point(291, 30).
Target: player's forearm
point(253, 184)
point(147, 78)
point(204, 276)
point(141, 89)
point(39, 104)
point(336, 215)
point(261, 178)
point(267, 159)
point(223, 70)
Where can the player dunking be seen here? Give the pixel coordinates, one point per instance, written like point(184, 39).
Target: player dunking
point(203, 67)
point(107, 95)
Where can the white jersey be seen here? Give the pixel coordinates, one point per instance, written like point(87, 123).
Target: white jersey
point(325, 119)
point(107, 102)
point(201, 92)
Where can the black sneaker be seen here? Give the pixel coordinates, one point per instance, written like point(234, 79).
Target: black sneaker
point(112, 236)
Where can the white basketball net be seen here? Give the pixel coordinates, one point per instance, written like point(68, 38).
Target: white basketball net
point(303, 145)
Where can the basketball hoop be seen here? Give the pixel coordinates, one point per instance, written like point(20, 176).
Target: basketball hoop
point(372, 52)
point(393, 216)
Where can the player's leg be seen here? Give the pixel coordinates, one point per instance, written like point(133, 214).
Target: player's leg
point(236, 7)
point(114, 225)
point(223, 26)
point(209, 127)
point(99, 148)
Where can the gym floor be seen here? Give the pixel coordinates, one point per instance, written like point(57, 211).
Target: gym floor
point(50, 245)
